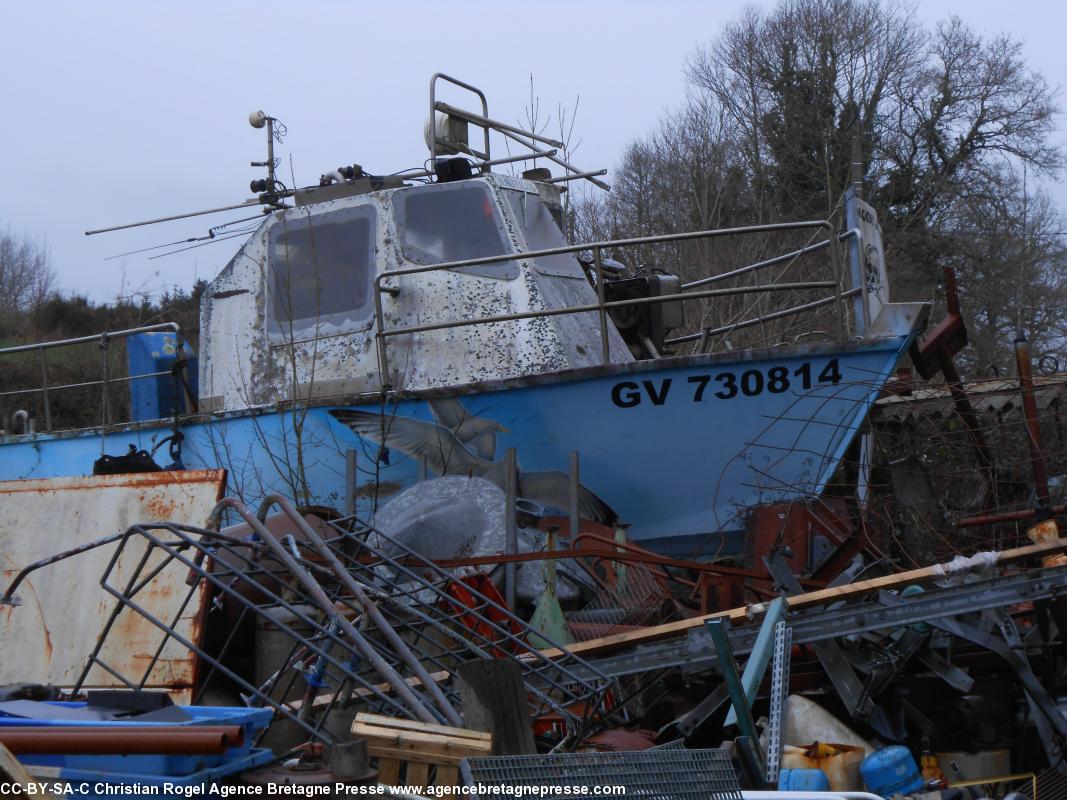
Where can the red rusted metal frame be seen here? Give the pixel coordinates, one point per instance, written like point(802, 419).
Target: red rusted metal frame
point(1006, 516)
point(934, 353)
point(1033, 426)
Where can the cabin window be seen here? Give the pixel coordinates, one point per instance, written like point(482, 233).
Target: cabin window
point(541, 232)
point(321, 269)
point(453, 222)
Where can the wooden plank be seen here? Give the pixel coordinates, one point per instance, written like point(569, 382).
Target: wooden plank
point(377, 720)
point(744, 613)
point(428, 742)
point(408, 756)
point(418, 774)
point(388, 771)
point(447, 775)
point(13, 769)
point(441, 747)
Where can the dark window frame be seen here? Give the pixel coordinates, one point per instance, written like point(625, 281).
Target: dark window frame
point(312, 229)
point(445, 194)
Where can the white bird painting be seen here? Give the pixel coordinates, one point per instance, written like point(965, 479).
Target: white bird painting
point(459, 443)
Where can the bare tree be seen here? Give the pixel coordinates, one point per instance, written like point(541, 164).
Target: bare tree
point(26, 277)
point(944, 116)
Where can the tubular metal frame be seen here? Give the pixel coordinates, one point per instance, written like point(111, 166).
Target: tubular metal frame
point(602, 306)
point(104, 340)
point(367, 622)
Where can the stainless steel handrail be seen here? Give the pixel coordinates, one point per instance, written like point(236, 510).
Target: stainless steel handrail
point(602, 306)
point(104, 340)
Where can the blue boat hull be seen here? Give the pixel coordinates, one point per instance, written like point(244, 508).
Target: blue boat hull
point(678, 448)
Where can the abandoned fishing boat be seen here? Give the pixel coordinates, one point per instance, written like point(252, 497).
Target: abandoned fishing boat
point(375, 330)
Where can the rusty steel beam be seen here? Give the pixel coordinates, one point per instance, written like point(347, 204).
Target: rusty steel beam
point(934, 353)
point(1006, 516)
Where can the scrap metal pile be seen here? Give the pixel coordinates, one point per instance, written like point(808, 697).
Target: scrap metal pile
point(321, 620)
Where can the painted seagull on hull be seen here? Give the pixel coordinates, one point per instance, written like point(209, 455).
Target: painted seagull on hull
point(446, 447)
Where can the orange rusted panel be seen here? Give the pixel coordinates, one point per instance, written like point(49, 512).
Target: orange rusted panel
point(49, 636)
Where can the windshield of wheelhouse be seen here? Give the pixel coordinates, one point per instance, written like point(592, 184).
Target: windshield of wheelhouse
point(320, 268)
point(441, 223)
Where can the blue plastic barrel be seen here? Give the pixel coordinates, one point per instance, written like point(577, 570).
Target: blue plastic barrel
point(803, 780)
point(891, 770)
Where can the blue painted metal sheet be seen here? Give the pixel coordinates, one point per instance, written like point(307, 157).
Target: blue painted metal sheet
point(679, 449)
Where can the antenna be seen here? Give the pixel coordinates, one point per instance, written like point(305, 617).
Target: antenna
point(270, 190)
point(270, 187)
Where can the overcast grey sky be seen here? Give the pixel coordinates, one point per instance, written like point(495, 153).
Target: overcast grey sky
point(120, 111)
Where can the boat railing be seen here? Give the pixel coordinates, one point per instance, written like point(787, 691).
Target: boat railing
point(106, 381)
point(694, 290)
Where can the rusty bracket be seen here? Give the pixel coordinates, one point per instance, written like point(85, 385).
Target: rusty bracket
point(934, 354)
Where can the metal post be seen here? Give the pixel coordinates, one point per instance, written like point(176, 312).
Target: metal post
point(105, 402)
point(717, 630)
point(350, 482)
point(621, 537)
point(270, 156)
point(511, 541)
point(605, 349)
point(783, 638)
point(836, 264)
point(574, 484)
point(1033, 426)
point(44, 392)
point(379, 314)
point(760, 657)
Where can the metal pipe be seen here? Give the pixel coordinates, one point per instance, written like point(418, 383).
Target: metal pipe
point(606, 187)
point(1033, 425)
point(637, 301)
point(350, 482)
point(173, 217)
point(611, 243)
point(494, 163)
point(369, 607)
point(993, 519)
point(511, 533)
point(573, 482)
point(191, 537)
point(770, 262)
point(605, 347)
point(366, 650)
point(692, 337)
point(96, 337)
point(485, 121)
point(379, 312)
point(433, 110)
point(44, 392)
point(576, 175)
point(8, 597)
point(100, 740)
point(105, 401)
point(119, 379)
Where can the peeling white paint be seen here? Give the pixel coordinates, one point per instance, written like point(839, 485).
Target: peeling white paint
point(242, 367)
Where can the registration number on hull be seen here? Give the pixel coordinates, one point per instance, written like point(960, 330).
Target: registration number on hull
point(727, 385)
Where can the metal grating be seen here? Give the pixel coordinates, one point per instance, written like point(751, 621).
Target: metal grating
point(671, 774)
point(636, 598)
point(372, 627)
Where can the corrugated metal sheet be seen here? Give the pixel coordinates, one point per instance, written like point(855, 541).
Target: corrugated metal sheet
point(48, 638)
point(991, 396)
